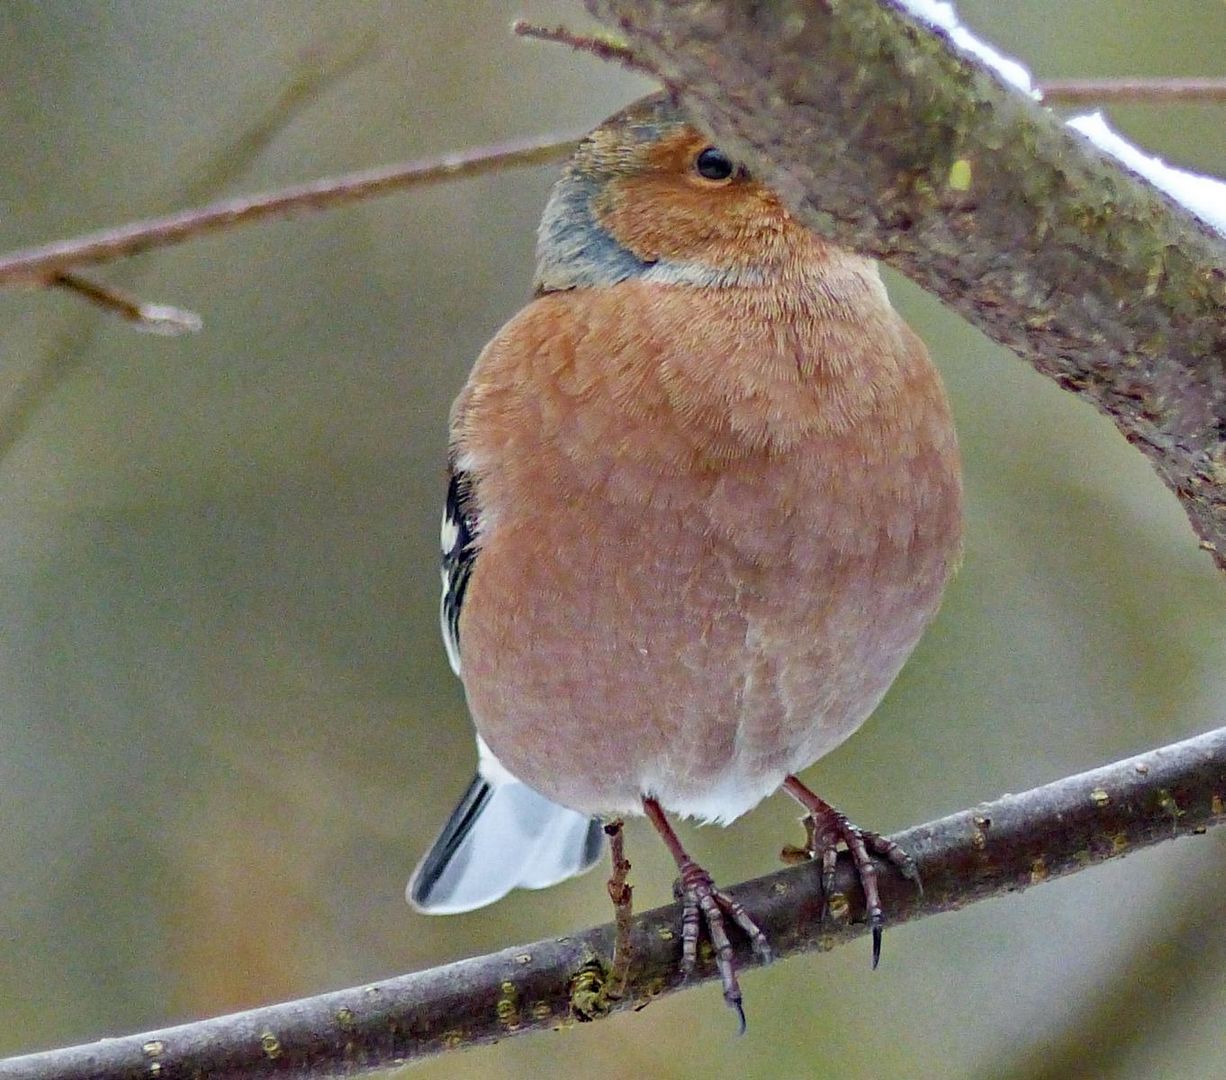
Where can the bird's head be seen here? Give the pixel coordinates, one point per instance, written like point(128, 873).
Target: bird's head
point(647, 195)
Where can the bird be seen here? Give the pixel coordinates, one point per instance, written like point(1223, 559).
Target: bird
point(704, 496)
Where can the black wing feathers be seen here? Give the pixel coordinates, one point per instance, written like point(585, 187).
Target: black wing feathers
point(459, 553)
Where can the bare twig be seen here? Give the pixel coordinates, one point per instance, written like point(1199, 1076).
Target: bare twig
point(317, 69)
point(321, 67)
point(1133, 91)
point(884, 137)
point(621, 892)
point(153, 318)
point(1153, 91)
point(40, 265)
point(1107, 287)
point(998, 847)
point(603, 48)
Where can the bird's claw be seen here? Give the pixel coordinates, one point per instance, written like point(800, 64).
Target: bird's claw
point(701, 902)
point(827, 828)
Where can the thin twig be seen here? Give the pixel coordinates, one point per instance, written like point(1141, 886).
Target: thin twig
point(621, 892)
point(1163, 91)
point(603, 47)
point(987, 850)
point(40, 265)
point(1154, 91)
point(152, 318)
point(320, 67)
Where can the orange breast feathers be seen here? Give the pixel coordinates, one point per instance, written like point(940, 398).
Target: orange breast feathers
point(713, 524)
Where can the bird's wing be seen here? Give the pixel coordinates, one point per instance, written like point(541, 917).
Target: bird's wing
point(502, 835)
point(458, 538)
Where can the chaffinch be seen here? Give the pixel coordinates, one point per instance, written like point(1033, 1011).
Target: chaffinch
point(704, 497)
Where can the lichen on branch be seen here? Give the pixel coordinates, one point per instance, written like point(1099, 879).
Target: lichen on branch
point(1000, 847)
point(881, 134)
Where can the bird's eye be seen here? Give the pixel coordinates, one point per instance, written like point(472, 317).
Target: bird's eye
point(713, 164)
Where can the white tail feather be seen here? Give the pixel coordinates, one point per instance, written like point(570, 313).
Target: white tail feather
point(502, 836)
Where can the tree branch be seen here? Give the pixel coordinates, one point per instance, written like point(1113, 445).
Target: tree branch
point(883, 136)
point(985, 851)
point(47, 263)
point(1150, 91)
point(43, 265)
point(1165, 91)
point(603, 48)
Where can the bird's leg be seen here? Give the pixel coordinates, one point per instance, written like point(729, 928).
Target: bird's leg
point(826, 827)
point(702, 902)
point(620, 892)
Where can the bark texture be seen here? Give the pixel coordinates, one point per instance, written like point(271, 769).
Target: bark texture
point(996, 848)
point(881, 135)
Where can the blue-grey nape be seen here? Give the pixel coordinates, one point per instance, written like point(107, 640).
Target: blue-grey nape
point(573, 250)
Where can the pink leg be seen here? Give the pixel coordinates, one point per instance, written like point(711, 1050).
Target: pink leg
point(826, 827)
point(703, 902)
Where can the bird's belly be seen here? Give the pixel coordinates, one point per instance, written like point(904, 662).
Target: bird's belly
point(704, 668)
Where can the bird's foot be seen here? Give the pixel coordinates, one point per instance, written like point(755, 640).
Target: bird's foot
point(702, 902)
point(826, 828)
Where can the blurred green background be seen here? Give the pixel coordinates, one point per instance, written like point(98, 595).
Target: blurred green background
point(227, 727)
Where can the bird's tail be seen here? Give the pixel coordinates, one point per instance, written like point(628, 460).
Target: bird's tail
point(502, 836)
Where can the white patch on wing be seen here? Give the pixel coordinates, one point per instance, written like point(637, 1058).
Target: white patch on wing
point(449, 642)
point(449, 533)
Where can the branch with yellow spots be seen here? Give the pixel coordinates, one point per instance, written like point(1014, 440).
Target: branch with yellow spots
point(985, 851)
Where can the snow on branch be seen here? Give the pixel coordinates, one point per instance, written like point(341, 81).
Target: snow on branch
point(1205, 196)
point(886, 134)
point(894, 139)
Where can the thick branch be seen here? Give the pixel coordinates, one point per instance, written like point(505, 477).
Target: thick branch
point(43, 265)
point(880, 134)
point(989, 850)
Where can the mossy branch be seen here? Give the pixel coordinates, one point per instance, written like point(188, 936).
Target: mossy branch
point(864, 121)
point(988, 850)
point(883, 136)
